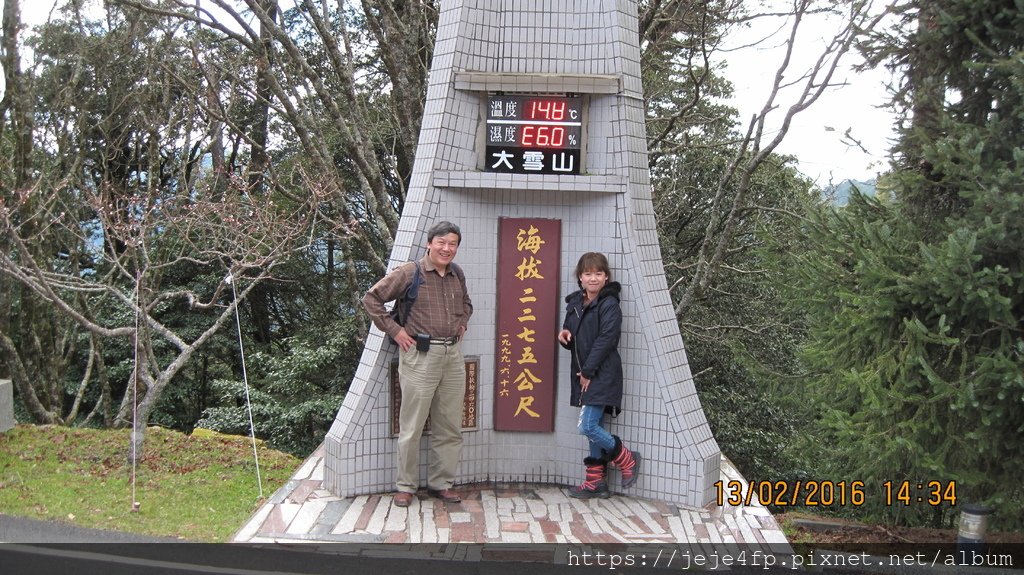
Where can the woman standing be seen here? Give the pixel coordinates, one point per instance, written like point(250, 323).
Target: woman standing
point(591, 330)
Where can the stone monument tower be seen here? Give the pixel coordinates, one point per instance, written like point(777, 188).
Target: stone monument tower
point(533, 142)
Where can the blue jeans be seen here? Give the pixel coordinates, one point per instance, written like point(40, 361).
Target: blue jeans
point(589, 424)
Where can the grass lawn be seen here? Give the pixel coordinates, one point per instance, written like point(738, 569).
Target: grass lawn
point(197, 488)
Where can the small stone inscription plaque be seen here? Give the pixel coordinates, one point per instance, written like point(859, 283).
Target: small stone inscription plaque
point(469, 417)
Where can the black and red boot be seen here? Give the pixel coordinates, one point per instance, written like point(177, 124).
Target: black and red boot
point(627, 461)
point(594, 485)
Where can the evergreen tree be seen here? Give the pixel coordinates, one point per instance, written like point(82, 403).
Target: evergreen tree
point(915, 300)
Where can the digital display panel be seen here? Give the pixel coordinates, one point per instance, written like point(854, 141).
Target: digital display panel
point(534, 134)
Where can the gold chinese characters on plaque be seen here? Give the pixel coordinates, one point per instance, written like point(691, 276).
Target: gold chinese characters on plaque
point(527, 324)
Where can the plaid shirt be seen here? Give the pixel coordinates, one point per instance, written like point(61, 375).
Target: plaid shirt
point(442, 304)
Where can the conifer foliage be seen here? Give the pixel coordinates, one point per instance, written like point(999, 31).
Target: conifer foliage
point(915, 299)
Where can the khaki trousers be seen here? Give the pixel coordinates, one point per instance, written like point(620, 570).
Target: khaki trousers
point(433, 383)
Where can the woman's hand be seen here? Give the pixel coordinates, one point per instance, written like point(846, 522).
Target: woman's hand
point(584, 382)
point(564, 337)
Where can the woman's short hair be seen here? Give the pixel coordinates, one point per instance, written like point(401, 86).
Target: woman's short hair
point(593, 261)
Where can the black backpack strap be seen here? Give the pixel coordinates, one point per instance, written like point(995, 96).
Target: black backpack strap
point(400, 311)
point(458, 271)
point(413, 291)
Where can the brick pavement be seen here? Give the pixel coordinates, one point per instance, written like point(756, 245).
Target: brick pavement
point(303, 512)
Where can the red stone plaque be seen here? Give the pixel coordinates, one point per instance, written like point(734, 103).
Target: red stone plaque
point(527, 324)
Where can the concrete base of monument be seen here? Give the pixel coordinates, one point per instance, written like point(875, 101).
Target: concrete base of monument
point(303, 512)
point(7, 420)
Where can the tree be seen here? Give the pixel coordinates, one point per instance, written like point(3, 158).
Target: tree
point(295, 395)
point(727, 208)
point(916, 299)
point(733, 188)
point(36, 345)
point(176, 141)
point(124, 224)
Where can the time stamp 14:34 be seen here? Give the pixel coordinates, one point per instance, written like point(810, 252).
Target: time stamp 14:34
point(826, 493)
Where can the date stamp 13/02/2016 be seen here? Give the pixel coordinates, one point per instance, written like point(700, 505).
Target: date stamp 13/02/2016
point(814, 493)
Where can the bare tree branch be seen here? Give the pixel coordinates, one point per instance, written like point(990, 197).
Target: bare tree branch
point(755, 150)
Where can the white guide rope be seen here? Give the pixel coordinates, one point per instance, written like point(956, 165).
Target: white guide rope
point(245, 380)
point(135, 439)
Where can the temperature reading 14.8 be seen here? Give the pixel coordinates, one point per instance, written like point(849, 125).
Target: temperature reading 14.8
point(550, 110)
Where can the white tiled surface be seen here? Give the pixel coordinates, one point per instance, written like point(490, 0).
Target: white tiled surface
point(540, 45)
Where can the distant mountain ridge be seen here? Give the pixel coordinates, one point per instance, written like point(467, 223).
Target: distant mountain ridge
point(840, 193)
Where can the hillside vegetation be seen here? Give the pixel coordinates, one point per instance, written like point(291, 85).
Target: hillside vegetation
point(189, 487)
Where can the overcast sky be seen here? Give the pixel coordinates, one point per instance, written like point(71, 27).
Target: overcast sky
point(816, 133)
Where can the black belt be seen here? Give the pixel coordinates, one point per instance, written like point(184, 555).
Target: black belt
point(444, 340)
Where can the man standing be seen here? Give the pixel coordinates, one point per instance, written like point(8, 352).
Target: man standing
point(431, 368)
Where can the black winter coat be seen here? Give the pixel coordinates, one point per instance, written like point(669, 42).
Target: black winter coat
point(595, 332)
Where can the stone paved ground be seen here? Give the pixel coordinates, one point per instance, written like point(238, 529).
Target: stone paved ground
point(302, 511)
